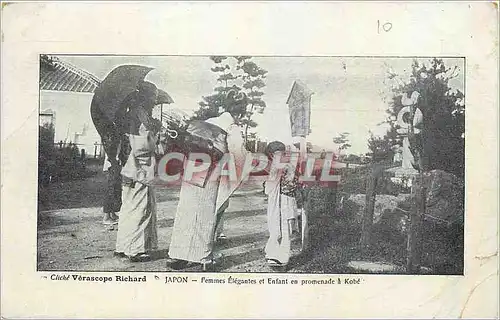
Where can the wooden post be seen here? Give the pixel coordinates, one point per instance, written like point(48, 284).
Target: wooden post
point(414, 244)
point(332, 199)
point(305, 224)
point(306, 206)
point(366, 228)
point(303, 147)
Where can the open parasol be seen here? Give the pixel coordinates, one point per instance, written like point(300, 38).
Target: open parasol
point(115, 88)
point(163, 97)
point(108, 98)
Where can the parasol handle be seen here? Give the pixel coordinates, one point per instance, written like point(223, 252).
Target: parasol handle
point(172, 133)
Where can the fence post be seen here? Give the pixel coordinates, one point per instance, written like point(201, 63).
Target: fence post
point(414, 244)
point(306, 209)
point(367, 223)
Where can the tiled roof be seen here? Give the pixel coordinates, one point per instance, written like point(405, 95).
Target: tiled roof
point(58, 75)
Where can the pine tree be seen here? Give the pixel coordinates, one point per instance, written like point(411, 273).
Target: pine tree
point(247, 77)
point(253, 81)
point(210, 105)
point(342, 141)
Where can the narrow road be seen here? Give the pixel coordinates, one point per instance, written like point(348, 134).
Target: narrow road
point(72, 237)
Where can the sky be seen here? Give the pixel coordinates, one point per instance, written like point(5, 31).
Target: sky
point(348, 91)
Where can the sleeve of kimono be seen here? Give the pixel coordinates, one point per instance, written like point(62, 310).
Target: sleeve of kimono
point(235, 141)
point(236, 146)
point(274, 208)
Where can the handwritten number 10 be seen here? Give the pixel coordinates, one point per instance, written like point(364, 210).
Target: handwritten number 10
point(385, 27)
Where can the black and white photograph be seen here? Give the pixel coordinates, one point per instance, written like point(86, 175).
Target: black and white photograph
point(251, 164)
point(249, 160)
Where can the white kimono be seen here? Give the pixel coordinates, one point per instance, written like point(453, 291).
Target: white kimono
point(195, 219)
point(137, 231)
point(280, 209)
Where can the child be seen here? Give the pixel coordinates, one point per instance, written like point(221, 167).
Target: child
point(281, 209)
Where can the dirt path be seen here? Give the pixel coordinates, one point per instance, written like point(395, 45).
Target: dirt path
point(72, 237)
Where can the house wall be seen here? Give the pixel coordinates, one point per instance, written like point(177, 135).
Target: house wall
point(72, 115)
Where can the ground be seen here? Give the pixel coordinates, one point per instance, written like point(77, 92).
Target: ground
point(71, 236)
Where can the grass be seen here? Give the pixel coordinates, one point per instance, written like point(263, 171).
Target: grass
point(336, 237)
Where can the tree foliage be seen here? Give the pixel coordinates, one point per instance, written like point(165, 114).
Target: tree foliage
point(252, 77)
point(443, 114)
point(47, 62)
point(211, 104)
point(241, 74)
point(381, 148)
point(342, 141)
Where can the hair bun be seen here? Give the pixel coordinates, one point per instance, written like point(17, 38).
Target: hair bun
point(235, 97)
point(236, 103)
point(231, 94)
point(240, 97)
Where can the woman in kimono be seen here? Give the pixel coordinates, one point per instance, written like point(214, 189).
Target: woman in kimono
point(110, 139)
point(113, 193)
point(196, 218)
point(137, 234)
point(281, 210)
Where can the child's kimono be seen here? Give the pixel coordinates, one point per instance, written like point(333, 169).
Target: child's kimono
point(281, 208)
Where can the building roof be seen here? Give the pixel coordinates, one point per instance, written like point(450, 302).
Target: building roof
point(58, 75)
